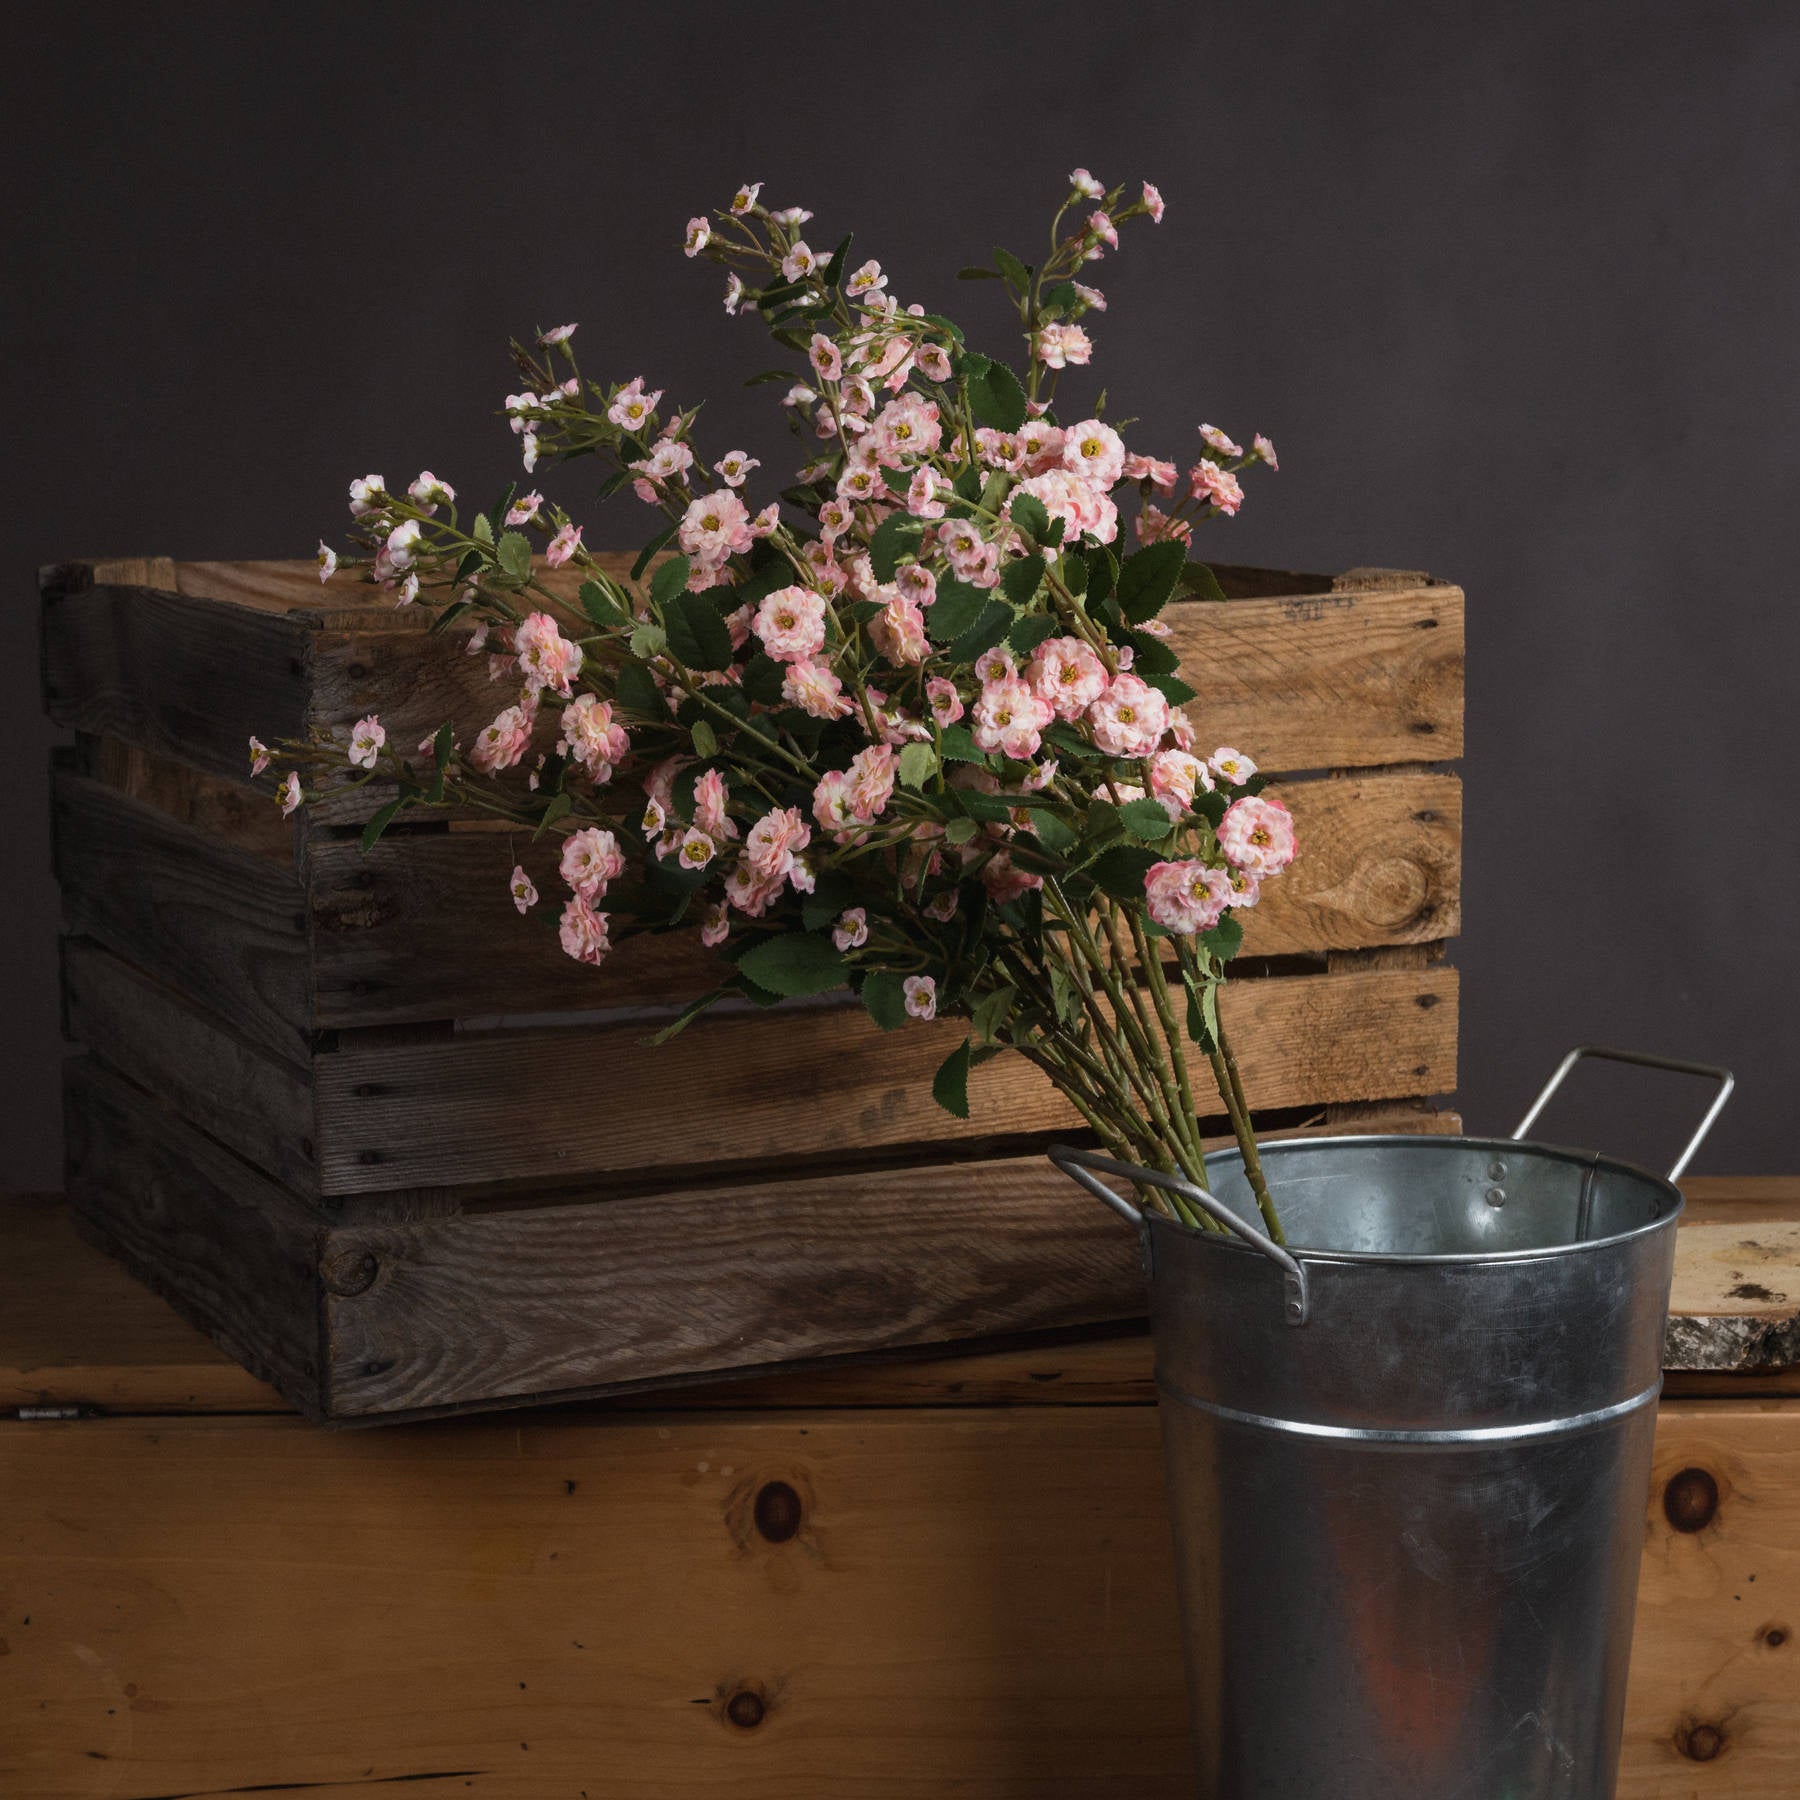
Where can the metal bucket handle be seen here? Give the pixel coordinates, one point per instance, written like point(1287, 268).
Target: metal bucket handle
point(1724, 1077)
point(1078, 1164)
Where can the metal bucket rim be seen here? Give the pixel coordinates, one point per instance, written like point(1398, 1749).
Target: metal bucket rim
point(1415, 1142)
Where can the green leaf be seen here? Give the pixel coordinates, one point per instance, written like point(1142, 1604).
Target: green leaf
point(957, 607)
point(834, 269)
point(1069, 741)
point(950, 1085)
point(1050, 831)
point(997, 399)
point(496, 513)
point(1145, 820)
point(769, 375)
point(976, 275)
point(482, 530)
point(442, 746)
point(1206, 1036)
point(1197, 578)
point(959, 831)
point(763, 677)
point(1172, 688)
point(515, 555)
point(989, 1013)
point(1120, 871)
point(447, 617)
point(706, 740)
point(697, 635)
point(1063, 295)
point(993, 624)
point(648, 640)
point(1154, 655)
point(600, 606)
point(832, 893)
point(637, 693)
point(918, 762)
point(884, 994)
point(955, 745)
point(796, 963)
point(670, 579)
point(1019, 580)
point(1064, 995)
point(1072, 571)
point(1030, 631)
point(897, 533)
point(1147, 579)
point(1027, 512)
point(1010, 267)
point(382, 820)
point(687, 1015)
point(1103, 571)
point(1226, 938)
point(560, 807)
point(988, 807)
point(649, 550)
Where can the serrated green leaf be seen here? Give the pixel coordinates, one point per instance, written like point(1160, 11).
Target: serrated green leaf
point(1019, 580)
point(1030, 630)
point(1072, 571)
point(763, 677)
point(649, 550)
point(884, 994)
point(950, 1085)
point(1199, 1003)
point(993, 623)
point(1147, 579)
point(990, 1012)
point(482, 530)
point(796, 963)
point(1053, 833)
point(918, 762)
point(648, 640)
point(959, 831)
point(560, 807)
point(697, 635)
point(1103, 572)
point(447, 617)
point(973, 274)
point(955, 745)
point(996, 398)
point(515, 555)
point(442, 746)
point(1153, 655)
point(600, 606)
point(1028, 513)
point(1011, 268)
point(1064, 995)
point(1062, 295)
point(957, 607)
point(1197, 578)
point(1120, 871)
point(1172, 688)
point(382, 820)
point(1225, 939)
point(834, 269)
point(670, 579)
point(1145, 820)
point(769, 375)
point(832, 893)
point(706, 740)
point(896, 534)
point(637, 693)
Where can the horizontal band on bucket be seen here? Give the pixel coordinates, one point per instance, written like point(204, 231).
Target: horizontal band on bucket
point(1474, 1435)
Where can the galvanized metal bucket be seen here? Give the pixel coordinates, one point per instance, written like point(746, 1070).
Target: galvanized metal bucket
point(1408, 1456)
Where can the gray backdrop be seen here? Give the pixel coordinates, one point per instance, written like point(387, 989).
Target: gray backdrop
point(1512, 289)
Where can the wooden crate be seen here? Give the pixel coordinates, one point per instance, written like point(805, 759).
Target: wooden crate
point(897, 1582)
point(400, 1155)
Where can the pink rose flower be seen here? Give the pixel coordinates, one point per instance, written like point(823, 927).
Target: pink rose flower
point(1257, 835)
point(366, 738)
point(1082, 507)
point(328, 561)
point(1009, 717)
point(917, 583)
point(921, 495)
point(1260, 446)
point(524, 509)
point(763, 525)
point(563, 546)
point(1040, 446)
point(775, 842)
point(1095, 452)
point(999, 449)
point(1101, 226)
point(715, 925)
point(791, 624)
point(943, 699)
point(851, 931)
point(866, 280)
point(591, 860)
point(1186, 897)
point(697, 849)
point(898, 632)
point(748, 892)
point(1220, 486)
point(1245, 887)
point(1085, 185)
point(734, 291)
point(1004, 880)
point(908, 426)
point(710, 796)
point(368, 494)
point(699, 235)
point(547, 659)
point(290, 793)
point(833, 808)
point(583, 932)
point(1130, 718)
point(815, 690)
point(826, 359)
point(1154, 526)
point(591, 738)
point(921, 996)
point(1220, 442)
point(1231, 765)
point(1068, 675)
point(1163, 475)
point(501, 744)
point(1153, 203)
point(1175, 777)
point(655, 819)
point(557, 335)
point(1061, 346)
point(934, 362)
point(871, 777)
point(799, 261)
point(428, 493)
point(735, 466)
point(524, 891)
point(715, 527)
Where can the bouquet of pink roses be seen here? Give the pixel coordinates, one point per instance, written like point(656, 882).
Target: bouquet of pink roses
point(915, 732)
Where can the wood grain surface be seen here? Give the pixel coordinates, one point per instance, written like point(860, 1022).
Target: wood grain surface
point(749, 1086)
point(824, 1604)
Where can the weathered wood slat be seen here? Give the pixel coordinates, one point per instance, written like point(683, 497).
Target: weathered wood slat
point(1380, 863)
point(976, 1602)
point(258, 1104)
point(751, 1086)
point(1359, 678)
point(188, 678)
point(226, 1246)
point(223, 926)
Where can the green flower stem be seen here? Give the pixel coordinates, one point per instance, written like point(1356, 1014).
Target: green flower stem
point(1165, 1009)
point(1231, 1088)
